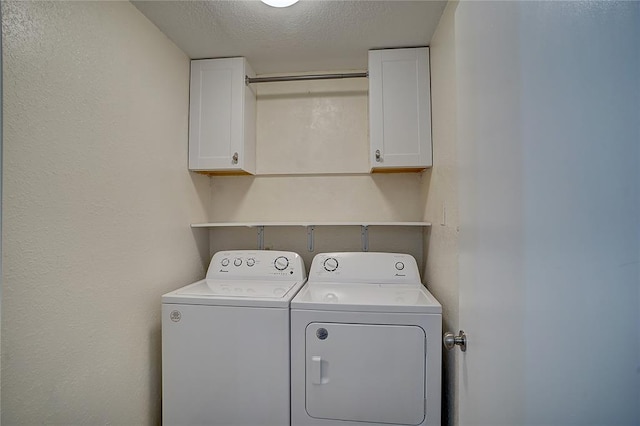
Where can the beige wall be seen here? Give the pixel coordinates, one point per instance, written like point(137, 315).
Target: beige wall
point(98, 201)
point(313, 161)
point(402, 239)
point(97, 206)
point(309, 127)
point(440, 191)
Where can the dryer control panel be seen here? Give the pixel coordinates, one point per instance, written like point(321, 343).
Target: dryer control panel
point(365, 267)
point(257, 264)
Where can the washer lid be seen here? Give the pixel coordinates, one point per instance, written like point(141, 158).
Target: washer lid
point(366, 298)
point(235, 293)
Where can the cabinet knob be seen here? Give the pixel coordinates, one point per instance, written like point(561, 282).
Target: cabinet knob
point(234, 158)
point(378, 156)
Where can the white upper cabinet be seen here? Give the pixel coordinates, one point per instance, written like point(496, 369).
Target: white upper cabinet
point(399, 110)
point(222, 117)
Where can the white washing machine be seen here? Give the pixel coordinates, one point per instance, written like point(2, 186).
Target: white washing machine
point(225, 342)
point(365, 343)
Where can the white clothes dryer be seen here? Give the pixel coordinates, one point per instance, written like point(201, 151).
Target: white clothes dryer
point(225, 342)
point(365, 343)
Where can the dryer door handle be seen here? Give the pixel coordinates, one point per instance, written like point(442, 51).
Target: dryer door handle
point(316, 370)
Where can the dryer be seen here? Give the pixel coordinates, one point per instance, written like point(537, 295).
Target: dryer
point(365, 343)
point(225, 342)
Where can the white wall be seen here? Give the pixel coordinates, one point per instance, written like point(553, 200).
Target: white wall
point(490, 373)
point(440, 190)
point(97, 205)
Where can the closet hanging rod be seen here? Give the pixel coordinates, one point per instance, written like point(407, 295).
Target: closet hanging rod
point(248, 80)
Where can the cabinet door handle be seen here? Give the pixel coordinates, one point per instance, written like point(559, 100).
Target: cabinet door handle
point(378, 156)
point(235, 158)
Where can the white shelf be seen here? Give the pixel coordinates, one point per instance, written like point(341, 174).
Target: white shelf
point(303, 224)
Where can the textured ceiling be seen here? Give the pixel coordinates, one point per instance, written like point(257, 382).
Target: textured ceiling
point(312, 35)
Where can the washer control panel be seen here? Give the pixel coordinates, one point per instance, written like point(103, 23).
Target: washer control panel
point(257, 264)
point(365, 267)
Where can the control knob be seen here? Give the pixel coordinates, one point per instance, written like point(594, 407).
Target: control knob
point(281, 263)
point(330, 264)
point(225, 262)
point(237, 261)
point(399, 266)
point(251, 261)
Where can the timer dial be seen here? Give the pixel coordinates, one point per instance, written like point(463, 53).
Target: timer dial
point(237, 261)
point(330, 264)
point(281, 263)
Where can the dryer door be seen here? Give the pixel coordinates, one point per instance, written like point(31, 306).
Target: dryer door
point(366, 373)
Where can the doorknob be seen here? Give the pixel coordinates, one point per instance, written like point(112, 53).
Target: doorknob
point(450, 341)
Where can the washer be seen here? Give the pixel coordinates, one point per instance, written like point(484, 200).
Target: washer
point(365, 343)
point(225, 342)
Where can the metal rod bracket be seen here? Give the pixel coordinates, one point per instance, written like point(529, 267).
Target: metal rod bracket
point(364, 233)
point(260, 237)
point(310, 230)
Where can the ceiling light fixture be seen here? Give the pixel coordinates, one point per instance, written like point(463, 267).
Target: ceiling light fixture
point(279, 3)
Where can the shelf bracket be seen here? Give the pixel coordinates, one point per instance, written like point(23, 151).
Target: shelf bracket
point(364, 232)
point(260, 237)
point(310, 230)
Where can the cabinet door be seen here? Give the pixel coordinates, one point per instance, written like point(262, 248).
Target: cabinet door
point(365, 373)
point(217, 116)
point(399, 109)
